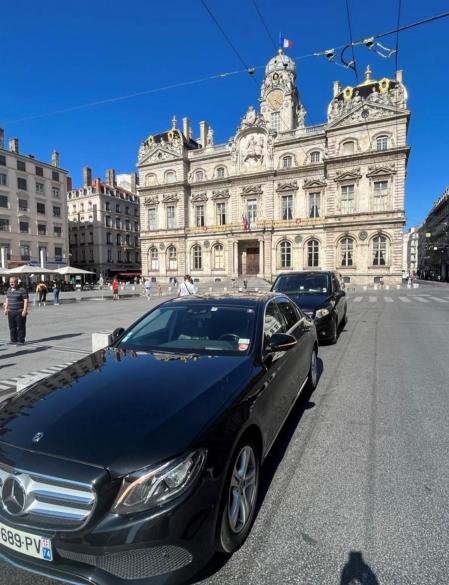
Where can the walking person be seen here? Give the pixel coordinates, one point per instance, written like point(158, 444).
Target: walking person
point(41, 290)
point(115, 287)
point(16, 309)
point(147, 287)
point(56, 291)
point(186, 287)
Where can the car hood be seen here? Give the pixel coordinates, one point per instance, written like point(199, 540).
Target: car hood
point(311, 302)
point(121, 409)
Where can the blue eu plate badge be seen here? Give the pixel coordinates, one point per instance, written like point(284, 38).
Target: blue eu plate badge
point(46, 550)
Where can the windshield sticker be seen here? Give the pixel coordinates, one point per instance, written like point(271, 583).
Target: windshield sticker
point(244, 341)
point(243, 346)
point(324, 289)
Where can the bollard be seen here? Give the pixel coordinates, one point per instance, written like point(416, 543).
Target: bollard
point(101, 340)
point(210, 289)
point(240, 289)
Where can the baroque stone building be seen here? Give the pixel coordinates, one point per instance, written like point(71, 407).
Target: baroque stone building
point(280, 195)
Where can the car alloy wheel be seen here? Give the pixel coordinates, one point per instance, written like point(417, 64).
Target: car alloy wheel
point(312, 380)
point(240, 497)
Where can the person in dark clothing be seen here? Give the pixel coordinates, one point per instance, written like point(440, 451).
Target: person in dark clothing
point(16, 309)
point(56, 290)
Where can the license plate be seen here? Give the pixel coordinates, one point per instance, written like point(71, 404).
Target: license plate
point(28, 544)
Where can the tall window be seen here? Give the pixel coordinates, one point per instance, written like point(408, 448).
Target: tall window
point(4, 224)
point(382, 142)
point(24, 252)
point(379, 251)
point(251, 206)
point(109, 255)
point(199, 176)
point(55, 192)
point(220, 172)
point(347, 199)
point(275, 121)
point(315, 156)
point(286, 254)
point(154, 259)
point(348, 147)
point(287, 207)
point(380, 195)
point(172, 259)
point(39, 188)
point(199, 215)
point(170, 177)
point(197, 259)
point(287, 162)
point(221, 213)
point(170, 217)
point(314, 204)
point(21, 184)
point(40, 207)
point(4, 201)
point(347, 252)
point(218, 257)
point(313, 253)
point(2, 179)
point(23, 204)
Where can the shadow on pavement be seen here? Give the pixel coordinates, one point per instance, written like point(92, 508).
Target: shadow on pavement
point(24, 352)
point(268, 471)
point(357, 571)
point(55, 337)
point(6, 365)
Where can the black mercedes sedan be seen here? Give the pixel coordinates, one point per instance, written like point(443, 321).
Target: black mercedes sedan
point(137, 463)
point(321, 296)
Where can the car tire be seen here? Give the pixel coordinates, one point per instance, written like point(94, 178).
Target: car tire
point(334, 337)
point(344, 320)
point(312, 376)
point(240, 496)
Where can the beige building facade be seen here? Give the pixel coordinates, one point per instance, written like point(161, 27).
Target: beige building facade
point(281, 196)
point(104, 226)
point(33, 213)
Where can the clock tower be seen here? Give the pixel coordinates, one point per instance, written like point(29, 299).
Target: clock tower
point(279, 99)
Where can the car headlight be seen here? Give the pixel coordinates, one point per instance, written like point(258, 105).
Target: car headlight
point(157, 485)
point(322, 313)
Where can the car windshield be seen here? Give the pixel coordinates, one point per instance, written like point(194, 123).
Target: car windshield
point(307, 282)
point(204, 329)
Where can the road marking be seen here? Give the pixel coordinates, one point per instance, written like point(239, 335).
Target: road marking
point(388, 299)
point(3, 387)
point(373, 299)
point(439, 300)
point(357, 299)
point(405, 299)
point(421, 299)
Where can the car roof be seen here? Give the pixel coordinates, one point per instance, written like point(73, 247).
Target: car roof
point(227, 298)
point(328, 272)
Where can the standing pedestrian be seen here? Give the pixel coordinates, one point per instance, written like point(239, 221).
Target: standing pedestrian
point(56, 291)
point(186, 287)
point(41, 290)
point(115, 287)
point(16, 309)
point(147, 287)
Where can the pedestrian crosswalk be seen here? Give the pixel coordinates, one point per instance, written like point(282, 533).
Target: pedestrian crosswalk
point(422, 298)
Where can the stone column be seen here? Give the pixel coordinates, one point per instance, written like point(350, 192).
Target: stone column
point(261, 258)
point(236, 258)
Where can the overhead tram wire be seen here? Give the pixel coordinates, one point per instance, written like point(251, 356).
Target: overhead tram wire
point(247, 70)
point(353, 63)
point(264, 24)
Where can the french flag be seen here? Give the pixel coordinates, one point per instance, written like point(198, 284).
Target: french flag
point(285, 43)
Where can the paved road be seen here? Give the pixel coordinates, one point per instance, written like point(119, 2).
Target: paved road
point(356, 485)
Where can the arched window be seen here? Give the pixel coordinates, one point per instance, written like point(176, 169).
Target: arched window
point(313, 257)
point(218, 257)
point(197, 259)
point(285, 252)
point(170, 177)
point(379, 251)
point(287, 162)
point(154, 259)
point(172, 258)
point(382, 142)
point(348, 147)
point(150, 179)
point(220, 172)
point(347, 252)
point(199, 176)
point(315, 156)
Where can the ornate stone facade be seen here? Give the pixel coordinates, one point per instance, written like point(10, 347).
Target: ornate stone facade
point(280, 195)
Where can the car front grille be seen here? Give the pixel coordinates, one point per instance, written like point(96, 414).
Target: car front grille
point(48, 502)
point(137, 563)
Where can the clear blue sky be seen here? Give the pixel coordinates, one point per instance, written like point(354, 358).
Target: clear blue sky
point(59, 54)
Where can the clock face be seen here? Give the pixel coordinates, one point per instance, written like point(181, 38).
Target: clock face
point(275, 99)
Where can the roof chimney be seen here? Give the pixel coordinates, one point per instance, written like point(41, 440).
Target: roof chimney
point(204, 127)
point(337, 88)
point(186, 127)
point(97, 185)
point(133, 187)
point(2, 137)
point(55, 158)
point(14, 145)
point(111, 178)
point(87, 176)
point(69, 183)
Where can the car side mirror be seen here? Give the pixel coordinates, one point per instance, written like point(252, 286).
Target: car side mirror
point(281, 342)
point(117, 333)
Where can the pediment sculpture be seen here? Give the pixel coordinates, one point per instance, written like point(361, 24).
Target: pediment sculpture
point(252, 119)
point(151, 200)
point(316, 183)
point(252, 190)
point(348, 175)
point(170, 198)
point(287, 186)
point(221, 194)
point(197, 197)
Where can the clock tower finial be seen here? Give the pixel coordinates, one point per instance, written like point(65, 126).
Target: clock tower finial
point(173, 121)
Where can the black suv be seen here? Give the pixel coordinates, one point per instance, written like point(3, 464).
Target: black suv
point(320, 295)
